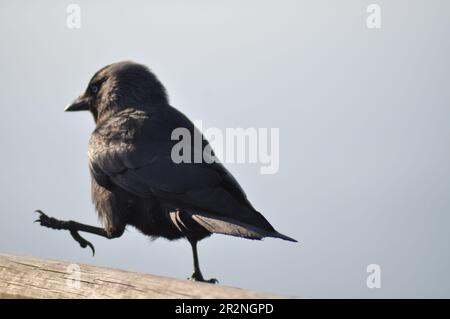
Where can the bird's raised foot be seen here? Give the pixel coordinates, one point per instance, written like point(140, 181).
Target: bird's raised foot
point(198, 277)
point(57, 224)
point(49, 222)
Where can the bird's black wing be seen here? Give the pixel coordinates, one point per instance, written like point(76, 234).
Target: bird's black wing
point(133, 151)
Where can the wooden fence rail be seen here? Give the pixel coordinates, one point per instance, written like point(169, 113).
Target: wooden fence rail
point(28, 277)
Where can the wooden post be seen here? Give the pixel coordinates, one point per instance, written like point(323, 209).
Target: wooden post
point(27, 277)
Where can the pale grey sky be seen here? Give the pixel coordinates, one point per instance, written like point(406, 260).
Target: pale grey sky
point(364, 129)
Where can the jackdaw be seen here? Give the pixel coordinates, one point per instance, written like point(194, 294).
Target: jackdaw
point(134, 179)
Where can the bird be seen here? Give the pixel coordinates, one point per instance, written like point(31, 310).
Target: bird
point(136, 182)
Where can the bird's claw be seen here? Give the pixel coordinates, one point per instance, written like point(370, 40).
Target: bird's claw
point(46, 221)
point(54, 223)
point(83, 242)
point(212, 281)
point(199, 278)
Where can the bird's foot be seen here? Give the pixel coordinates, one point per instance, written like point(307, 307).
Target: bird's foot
point(198, 277)
point(57, 224)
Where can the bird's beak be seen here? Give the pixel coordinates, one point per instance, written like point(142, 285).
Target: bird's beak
point(80, 104)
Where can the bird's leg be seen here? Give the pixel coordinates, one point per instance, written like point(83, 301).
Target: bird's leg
point(197, 275)
point(74, 228)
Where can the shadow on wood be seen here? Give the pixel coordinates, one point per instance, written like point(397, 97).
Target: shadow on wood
point(27, 277)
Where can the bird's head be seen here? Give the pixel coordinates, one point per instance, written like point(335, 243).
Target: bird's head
point(118, 86)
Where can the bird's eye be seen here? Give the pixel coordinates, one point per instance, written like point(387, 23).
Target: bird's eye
point(94, 89)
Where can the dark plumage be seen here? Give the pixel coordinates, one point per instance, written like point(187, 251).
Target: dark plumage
point(134, 180)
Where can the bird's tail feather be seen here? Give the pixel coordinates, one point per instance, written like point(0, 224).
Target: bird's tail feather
point(281, 236)
point(228, 226)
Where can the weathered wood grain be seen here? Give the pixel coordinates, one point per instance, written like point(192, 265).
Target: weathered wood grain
point(28, 277)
